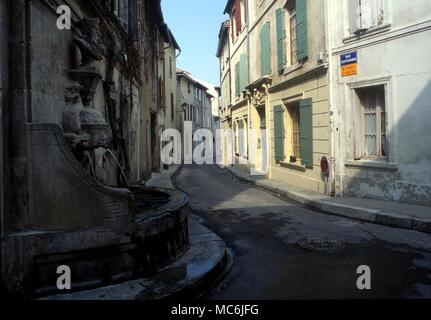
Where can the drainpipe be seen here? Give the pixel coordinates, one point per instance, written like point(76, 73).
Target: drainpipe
point(331, 64)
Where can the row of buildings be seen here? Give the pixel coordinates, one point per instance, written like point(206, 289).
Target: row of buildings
point(338, 92)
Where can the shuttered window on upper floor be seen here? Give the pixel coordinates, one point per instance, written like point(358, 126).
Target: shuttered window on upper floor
point(265, 50)
point(367, 14)
point(292, 20)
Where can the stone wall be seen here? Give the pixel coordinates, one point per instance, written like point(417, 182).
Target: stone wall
point(3, 89)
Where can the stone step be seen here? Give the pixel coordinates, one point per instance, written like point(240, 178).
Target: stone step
point(192, 275)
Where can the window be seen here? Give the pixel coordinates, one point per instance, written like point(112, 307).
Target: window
point(367, 14)
point(374, 122)
point(293, 133)
point(296, 133)
point(128, 14)
point(292, 24)
point(293, 36)
point(188, 87)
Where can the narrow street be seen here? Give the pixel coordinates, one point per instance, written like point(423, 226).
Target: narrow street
point(283, 251)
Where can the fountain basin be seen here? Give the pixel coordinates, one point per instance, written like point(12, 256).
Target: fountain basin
point(105, 235)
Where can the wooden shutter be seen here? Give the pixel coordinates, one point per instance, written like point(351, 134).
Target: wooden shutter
point(301, 29)
point(238, 17)
point(354, 16)
point(237, 80)
point(306, 129)
point(265, 47)
point(281, 36)
point(279, 132)
point(232, 29)
point(367, 14)
point(243, 71)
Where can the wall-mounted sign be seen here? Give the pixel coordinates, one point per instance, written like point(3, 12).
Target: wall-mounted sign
point(349, 64)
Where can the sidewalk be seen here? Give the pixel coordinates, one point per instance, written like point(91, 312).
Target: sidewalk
point(386, 213)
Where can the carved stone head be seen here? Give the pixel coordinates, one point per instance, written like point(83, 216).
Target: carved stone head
point(88, 42)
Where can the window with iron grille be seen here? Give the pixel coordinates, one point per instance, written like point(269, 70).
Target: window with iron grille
point(374, 122)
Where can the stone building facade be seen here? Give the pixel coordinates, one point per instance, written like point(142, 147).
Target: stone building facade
point(78, 134)
point(273, 56)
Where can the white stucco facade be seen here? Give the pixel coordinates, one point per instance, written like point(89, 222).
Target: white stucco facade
point(393, 52)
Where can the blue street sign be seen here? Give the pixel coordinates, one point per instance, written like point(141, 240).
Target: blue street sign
point(349, 58)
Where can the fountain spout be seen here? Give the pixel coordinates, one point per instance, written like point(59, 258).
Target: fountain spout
point(118, 164)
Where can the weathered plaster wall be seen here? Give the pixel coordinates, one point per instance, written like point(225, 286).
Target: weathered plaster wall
point(397, 57)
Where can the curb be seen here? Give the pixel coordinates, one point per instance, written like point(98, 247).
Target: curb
point(375, 216)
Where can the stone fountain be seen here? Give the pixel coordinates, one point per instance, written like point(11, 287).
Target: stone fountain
point(105, 234)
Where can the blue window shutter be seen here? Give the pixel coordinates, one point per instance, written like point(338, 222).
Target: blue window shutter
point(279, 132)
point(306, 129)
point(301, 29)
point(281, 36)
point(265, 50)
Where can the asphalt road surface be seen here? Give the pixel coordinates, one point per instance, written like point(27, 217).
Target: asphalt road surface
point(283, 251)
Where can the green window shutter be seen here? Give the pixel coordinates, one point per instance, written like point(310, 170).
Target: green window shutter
point(306, 128)
point(265, 50)
point(301, 29)
point(281, 36)
point(237, 80)
point(279, 133)
point(243, 71)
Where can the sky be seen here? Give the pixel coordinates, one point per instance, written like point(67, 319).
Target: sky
point(195, 25)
